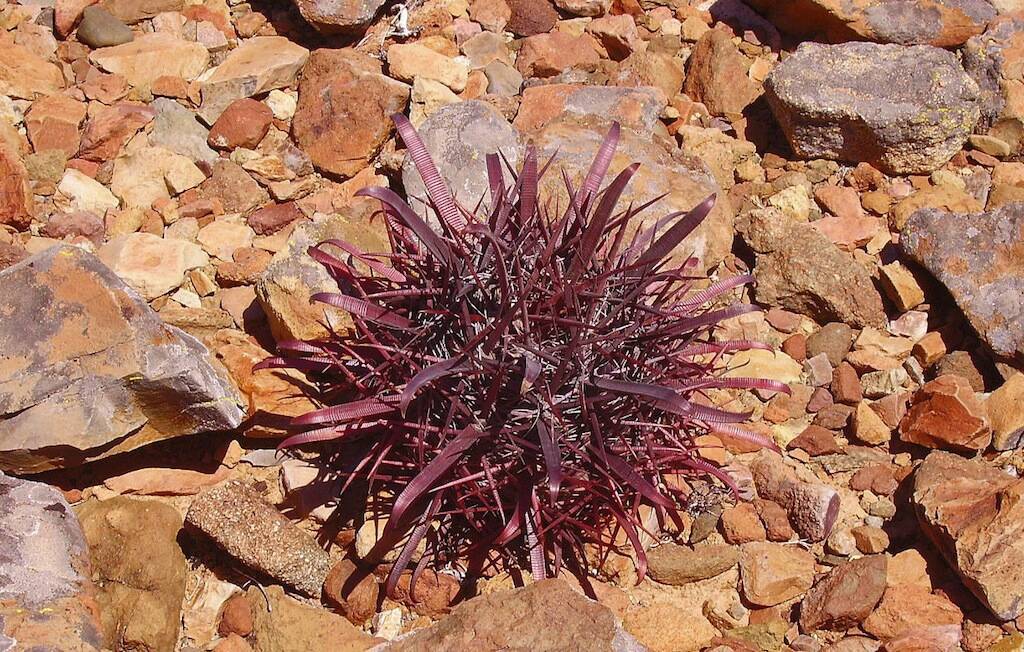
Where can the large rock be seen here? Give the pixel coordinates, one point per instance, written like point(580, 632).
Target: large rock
point(292, 277)
point(799, 269)
point(139, 569)
point(339, 16)
point(47, 598)
point(994, 61)
point(26, 76)
point(82, 349)
point(942, 23)
point(974, 514)
point(717, 75)
point(344, 111)
point(981, 262)
point(153, 55)
point(684, 180)
point(546, 615)
point(459, 137)
point(151, 265)
point(905, 110)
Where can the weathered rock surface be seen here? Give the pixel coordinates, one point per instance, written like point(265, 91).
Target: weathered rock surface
point(800, 270)
point(139, 569)
point(177, 129)
point(772, 573)
point(1005, 408)
point(280, 624)
point(637, 108)
point(980, 260)
point(812, 506)
point(993, 60)
point(674, 564)
point(84, 349)
point(846, 596)
point(973, 514)
point(151, 265)
point(258, 65)
point(17, 204)
point(151, 56)
point(546, 615)
point(946, 414)
point(47, 598)
point(257, 535)
point(942, 23)
point(905, 110)
point(716, 75)
point(339, 16)
point(25, 75)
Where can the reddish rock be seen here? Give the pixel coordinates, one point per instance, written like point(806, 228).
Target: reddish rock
point(232, 187)
point(812, 506)
point(846, 596)
point(908, 609)
point(16, 201)
point(816, 441)
point(109, 129)
point(775, 519)
point(433, 595)
point(531, 17)
point(243, 124)
point(795, 346)
point(547, 55)
point(740, 524)
point(846, 385)
point(946, 414)
point(870, 540)
point(351, 591)
point(235, 616)
point(876, 478)
point(617, 34)
point(53, 122)
point(716, 75)
point(77, 223)
point(631, 107)
point(772, 573)
point(273, 218)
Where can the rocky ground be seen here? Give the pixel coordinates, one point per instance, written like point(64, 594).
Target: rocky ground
point(164, 165)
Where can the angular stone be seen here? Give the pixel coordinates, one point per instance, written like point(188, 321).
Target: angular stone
point(773, 573)
point(798, 269)
point(131, 381)
point(547, 55)
point(26, 76)
point(339, 16)
point(271, 219)
point(344, 113)
point(905, 110)
point(140, 569)
point(973, 513)
point(979, 259)
point(942, 23)
point(16, 201)
point(134, 11)
point(993, 60)
point(846, 596)
point(946, 414)
point(109, 129)
point(813, 507)
point(233, 188)
point(243, 124)
point(153, 266)
point(152, 56)
point(546, 615)
point(149, 174)
point(258, 65)
point(178, 130)
point(741, 524)
point(281, 623)
point(677, 565)
point(46, 586)
point(408, 61)
point(912, 610)
point(252, 532)
point(1005, 407)
point(100, 29)
point(716, 75)
point(52, 123)
point(637, 108)
point(618, 35)
point(77, 191)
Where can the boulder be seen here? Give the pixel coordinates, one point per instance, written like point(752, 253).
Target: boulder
point(339, 16)
point(47, 598)
point(905, 110)
point(83, 349)
point(974, 514)
point(979, 259)
point(942, 23)
point(139, 569)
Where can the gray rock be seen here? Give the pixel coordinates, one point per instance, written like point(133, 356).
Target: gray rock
point(979, 258)
point(100, 29)
point(251, 531)
point(906, 110)
point(991, 60)
point(140, 570)
point(339, 16)
point(502, 79)
point(178, 129)
point(84, 350)
point(799, 269)
point(45, 584)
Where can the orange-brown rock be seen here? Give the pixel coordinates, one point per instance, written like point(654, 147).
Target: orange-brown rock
point(946, 414)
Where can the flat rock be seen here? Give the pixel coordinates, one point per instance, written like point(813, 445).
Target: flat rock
point(130, 381)
point(546, 615)
point(146, 175)
point(339, 16)
point(152, 265)
point(254, 533)
point(139, 569)
point(637, 108)
point(343, 115)
point(973, 513)
point(946, 414)
point(979, 259)
point(53, 122)
point(912, 611)
point(150, 56)
point(46, 591)
point(134, 11)
point(258, 65)
point(905, 110)
point(110, 127)
point(80, 192)
point(846, 596)
point(177, 129)
point(674, 564)
point(25, 76)
point(942, 23)
point(772, 573)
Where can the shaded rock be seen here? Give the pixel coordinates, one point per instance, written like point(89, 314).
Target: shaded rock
point(717, 75)
point(846, 596)
point(946, 414)
point(772, 573)
point(45, 575)
point(352, 591)
point(993, 60)
point(344, 113)
point(1005, 408)
point(16, 201)
point(286, 624)
point(459, 137)
point(637, 108)
point(177, 129)
point(979, 259)
point(339, 16)
point(546, 615)
point(434, 595)
point(286, 285)
point(673, 564)
point(26, 76)
point(903, 109)
point(942, 23)
point(800, 270)
point(812, 506)
point(973, 514)
point(132, 380)
point(684, 180)
point(151, 56)
point(254, 533)
point(99, 28)
point(139, 570)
